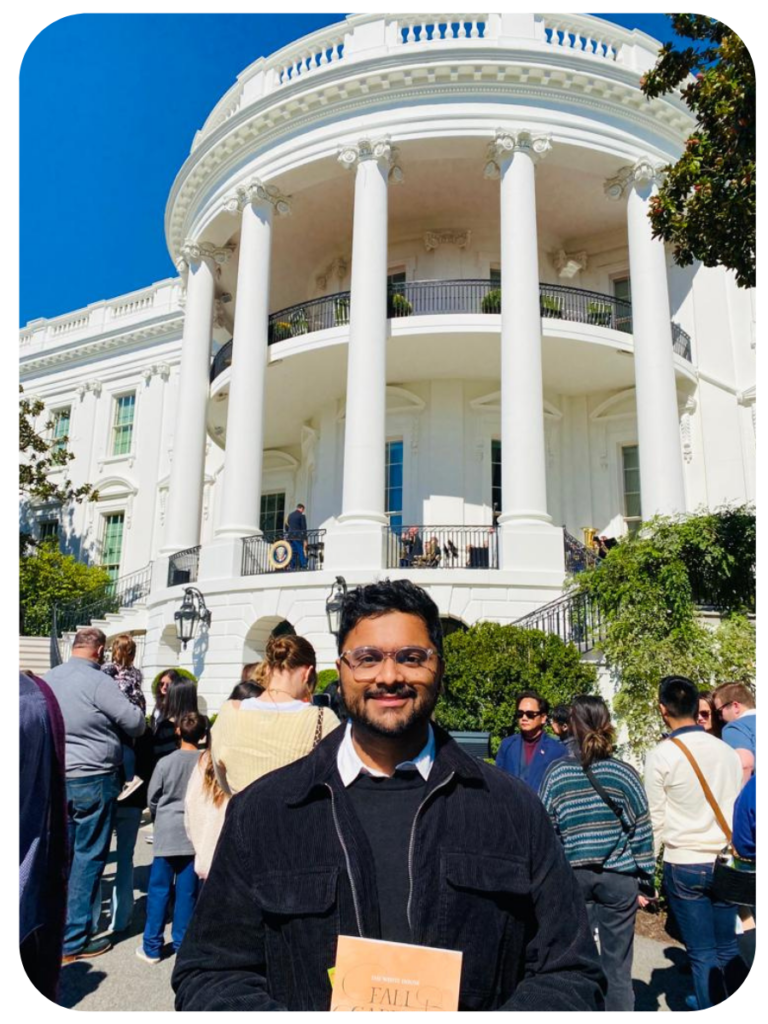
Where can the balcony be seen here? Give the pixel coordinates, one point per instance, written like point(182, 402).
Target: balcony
point(183, 567)
point(448, 298)
point(272, 552)
point(442, 547)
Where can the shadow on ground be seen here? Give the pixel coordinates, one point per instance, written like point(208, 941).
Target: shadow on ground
point(672, 982)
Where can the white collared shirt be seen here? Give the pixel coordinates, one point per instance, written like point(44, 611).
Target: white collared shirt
point(350, 766)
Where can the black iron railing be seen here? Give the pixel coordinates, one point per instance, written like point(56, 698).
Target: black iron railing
point(278, 552)
point(576, 618)
point(124, 592)
point(578, 557)
point(183, 567)
point(442, 547)
point(446, 298)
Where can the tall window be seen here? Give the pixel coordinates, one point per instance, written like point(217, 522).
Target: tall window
point(630, 466)
point(496, 478)
point(49, 531)
point(122, 429)
point(272, 518)
point(393, 497)
point(61, 419)
point(112, 546)
point(496, 277)
point(622, 292)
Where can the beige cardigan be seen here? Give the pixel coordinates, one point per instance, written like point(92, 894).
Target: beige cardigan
point(203, 821)
point(247, 744)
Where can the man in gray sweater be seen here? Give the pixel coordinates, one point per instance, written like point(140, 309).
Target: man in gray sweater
point(95, 711)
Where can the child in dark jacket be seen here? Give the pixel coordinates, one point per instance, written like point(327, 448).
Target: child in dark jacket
point(173, 866)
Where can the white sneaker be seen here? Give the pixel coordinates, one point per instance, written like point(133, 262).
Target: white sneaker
point(130, 787)
point(147, 959)
point(149, 838)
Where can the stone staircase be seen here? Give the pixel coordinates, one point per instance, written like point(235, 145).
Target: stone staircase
point(35, 654)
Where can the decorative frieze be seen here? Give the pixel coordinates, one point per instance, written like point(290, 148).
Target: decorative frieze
point(255, 191)
point(432, 239)
point(351, 154)
point(568, 264)
point(642, 172)
point(507, 143)
point(686, 431)
point(94, 386)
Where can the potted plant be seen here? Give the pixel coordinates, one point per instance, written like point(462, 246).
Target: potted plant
point(491, 301)
point(399, 305)
point(551, 307)
point(341, 310)
point(599, 313)
point(299, 323)
point(281, 330)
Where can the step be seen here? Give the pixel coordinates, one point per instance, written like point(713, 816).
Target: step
point(35, 654)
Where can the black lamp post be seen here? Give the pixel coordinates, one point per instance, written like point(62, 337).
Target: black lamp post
point(335, 603)
point(192, 611)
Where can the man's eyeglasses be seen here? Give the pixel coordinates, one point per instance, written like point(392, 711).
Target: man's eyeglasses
point(366, 662)
point(528, 714)
point(722, 708)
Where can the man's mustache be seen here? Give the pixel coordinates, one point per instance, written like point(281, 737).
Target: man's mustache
point(393, 690)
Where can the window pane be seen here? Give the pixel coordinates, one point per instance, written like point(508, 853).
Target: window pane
point(393, 498)
point(272, 518)
point(622, 289)
point(496, 275)
point(113, 543)
point(49, 530)
point(122, 435)
point(61, 427)
point(496, 475)
point(630, 456)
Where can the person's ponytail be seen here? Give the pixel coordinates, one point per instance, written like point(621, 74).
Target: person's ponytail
point(592, 729)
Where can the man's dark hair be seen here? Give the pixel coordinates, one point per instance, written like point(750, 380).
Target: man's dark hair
point(533, 695)
point(679, 696)
point(561, 714)
point(192, 727)
point(300, 506)
point(375, 599)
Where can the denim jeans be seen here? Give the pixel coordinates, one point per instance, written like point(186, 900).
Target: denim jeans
point(126, 823)
point(168, 873)
point(708, 930)
point(299, 560)
point(91, 806)
point(611, 899)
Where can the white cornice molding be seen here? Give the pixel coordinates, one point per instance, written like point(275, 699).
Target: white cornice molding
point(498, 74)
point(85, 350)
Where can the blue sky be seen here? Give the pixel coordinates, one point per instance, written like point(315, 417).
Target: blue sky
point(109, 106)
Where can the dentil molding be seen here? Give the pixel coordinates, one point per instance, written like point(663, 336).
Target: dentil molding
point(644, 172)
point(508, 142)
point(255, 191)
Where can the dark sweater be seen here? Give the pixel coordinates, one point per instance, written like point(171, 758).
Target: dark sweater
point(386, 809)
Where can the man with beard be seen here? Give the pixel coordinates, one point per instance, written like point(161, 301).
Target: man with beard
point(387, 830)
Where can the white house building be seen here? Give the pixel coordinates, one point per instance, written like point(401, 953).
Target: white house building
point(417, 288)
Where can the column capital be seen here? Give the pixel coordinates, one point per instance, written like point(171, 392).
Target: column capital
point(94, 386)
point(196, 252)
point(353, 153)
point(644, 171)
point(508, 142)
point(255, 191)
point(162, 370)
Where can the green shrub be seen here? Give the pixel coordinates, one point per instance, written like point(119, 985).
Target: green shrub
point(491, 302)
point(599, 313)
point(48, 577)
point(341, 311)
point(325, 677)
point(551, 307)
point(487, 665)
point(399, 305)
point(281, 331)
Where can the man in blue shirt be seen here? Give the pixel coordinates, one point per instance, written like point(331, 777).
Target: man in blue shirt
point(735, 706)
point(527, 754)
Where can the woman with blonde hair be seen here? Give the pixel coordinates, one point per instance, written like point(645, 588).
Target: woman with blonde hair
point(255, 736)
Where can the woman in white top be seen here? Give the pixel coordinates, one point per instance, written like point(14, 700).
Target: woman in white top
point(253, 737)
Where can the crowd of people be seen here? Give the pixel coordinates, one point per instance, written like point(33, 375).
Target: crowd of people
point(284, 824)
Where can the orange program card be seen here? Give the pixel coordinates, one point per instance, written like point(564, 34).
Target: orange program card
point(393, 976)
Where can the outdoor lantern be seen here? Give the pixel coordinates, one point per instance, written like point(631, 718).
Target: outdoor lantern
point(192, 611)
point(335, 603)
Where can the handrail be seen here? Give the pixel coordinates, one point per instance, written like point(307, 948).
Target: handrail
point(183, 567)
point(422, 546)
point(448, 298)
point(124, 592)
point(575, 617)
point(578, 557)
point(303, 551)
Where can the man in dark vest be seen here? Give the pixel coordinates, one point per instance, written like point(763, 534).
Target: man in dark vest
point(526, 754)
point(296, 533)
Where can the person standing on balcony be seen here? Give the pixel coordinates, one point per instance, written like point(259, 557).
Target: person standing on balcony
point(527, 754)
point(296, 533)
point(95, 712)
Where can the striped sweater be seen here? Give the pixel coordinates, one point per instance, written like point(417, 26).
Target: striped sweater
point(589, 830)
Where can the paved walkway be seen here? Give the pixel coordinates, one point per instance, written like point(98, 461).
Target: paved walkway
point(120, 981)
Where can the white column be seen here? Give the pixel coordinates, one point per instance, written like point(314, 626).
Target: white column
point(528, 539)
point(241, 496)
point(658, 422)
point(185, 492)
point(362, 516)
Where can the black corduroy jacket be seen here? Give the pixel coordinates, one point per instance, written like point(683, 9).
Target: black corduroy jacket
point(293, 870)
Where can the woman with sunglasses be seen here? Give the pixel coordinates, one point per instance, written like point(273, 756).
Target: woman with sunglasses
point(255, 736)
point(600, 812)
point(707, 716)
